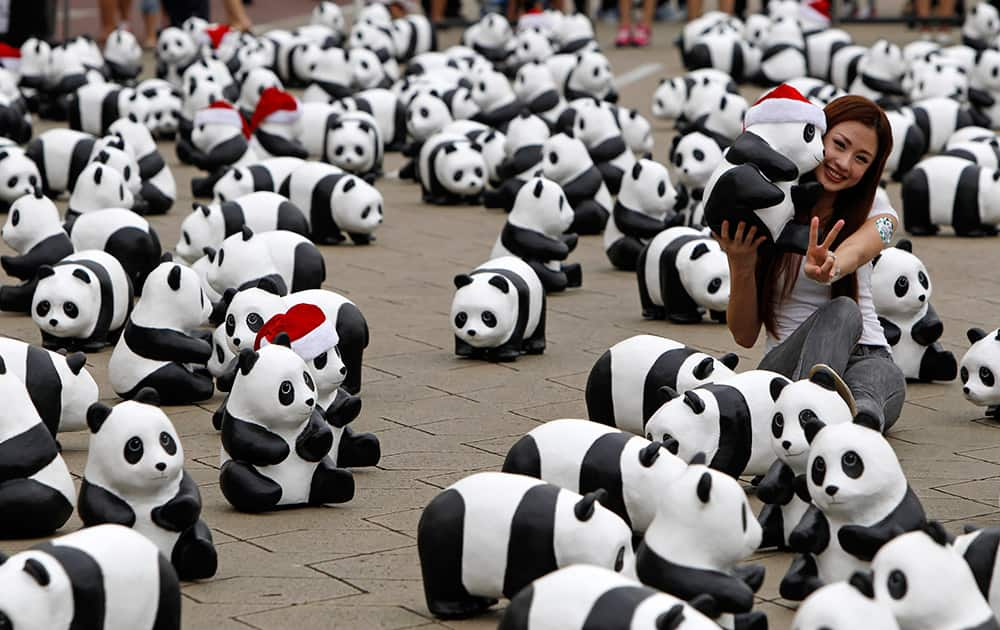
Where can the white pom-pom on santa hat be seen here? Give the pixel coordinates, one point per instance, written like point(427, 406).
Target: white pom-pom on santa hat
point(10, 57)
point(222, 113)
point(277, 107)
point(309, 331)
point(785, 104)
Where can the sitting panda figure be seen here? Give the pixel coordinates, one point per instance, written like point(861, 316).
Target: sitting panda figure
point(535, 87)
point(901, 292)
point(535, 231)
point(694, 157)
point(158, 189)
point(498, 312)
point(175, 51)
point(157, 349)
point(451, 170)
point(860, 501)
point(19, 176)
point(519, 529)
point(426, 115)
point(82, 302)
point(97, 188)
point(636, 131)
point(784, 56)
point(33, 230)
point(386, 108)
point(96, 105)
point(695, 541)
point(274, 126)
point(122, 56)
point(413, 34)
point(949, 190)
point(682, 273)
point(287, 259)
point(565, 161)
point(335, 203)
point(587, 76)
point(275, 450)
point(523, 147)
point(497, 102)
point(60, 156)
point(123, 234)
point(784, 490)
point(981, 27)
point(979, 369)
point(490, 37)
point(219, 140)
point(880, 73)
point(598, 129)
point(49, 585)
point(135, 477)
point(255, 82)
point(264, 176)
point(644, 208)
point(353, 143)
point(841, 606)
point(756, 182)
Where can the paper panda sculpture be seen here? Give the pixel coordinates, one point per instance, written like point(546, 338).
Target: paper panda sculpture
point(353, 142)
point(337, 205)
point(644, 208)
point(38, 488)
point(566, 162)
point(33, 230)
point(695, 541)
point(519, 529)
point(940, 117)
point(978, 547)
point(625, 385)
point(949, 190)
point(860, 501)
point(158, 189)
point(694, 157)
point(498, 312)
point(498, 104)
point(157, 349)
point(175, 50)
point(598, 129)
point(784, 490)
point(60, 156)
point(901, 292)
point(840, 606)
point(388, 111)
point(264, 176)
point(523, 147)
point(981, 27)
point(536, 232)
point(600, 598)
point(979, 369)
point(681, 274)
point(135, 477)
point(123, 234)
point(908, 144)
point(274, 125)
point(110, 151)
point(97, 188)
point(584, 456)
point(289, 260)
point(49, 585)
point(451, 170)
point(536, 88)
point(275, 450)
point(218, 140)
point(756, 182)
point(19, 176)
point(82, 302)
point(96, 105)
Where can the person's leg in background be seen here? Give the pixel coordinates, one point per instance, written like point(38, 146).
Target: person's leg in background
point(877, 384)
point(624, 36)
point(109, 18)
point(643, 32)
point(694, 9)
point(828, 336)
point(150, 10)
point(236, 15)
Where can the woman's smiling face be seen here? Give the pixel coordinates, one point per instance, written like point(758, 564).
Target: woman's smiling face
point(849, 149)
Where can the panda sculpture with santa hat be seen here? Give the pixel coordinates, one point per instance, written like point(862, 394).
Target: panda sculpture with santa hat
point(274, 125)
point(219, 140)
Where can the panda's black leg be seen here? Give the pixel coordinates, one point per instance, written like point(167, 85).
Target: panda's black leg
point(937, 364)
point(574, 275)
point(30, 509)
point(246, 489)
point(463, 349)
point(353, 331)
point(361, 239)
point(194, 555)
point(993, 411)
point(801, 579)
point(502, 354)
point(535, 344)
point(17, 299)
point(772, 525)
point(717, 316)
point(176, 385)
point(624, 253)
point(331, 484)
point(588, 218)
point(755, 620)
point(358, 449)
point(922, 230)
point(649, 309)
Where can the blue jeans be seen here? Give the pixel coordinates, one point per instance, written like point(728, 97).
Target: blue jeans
point(830, 335)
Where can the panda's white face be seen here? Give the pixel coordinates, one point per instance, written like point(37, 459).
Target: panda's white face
point(123, 48)
point(594, 124)
point(647, 188)
point(328, 372)
point(885, 59)
point(248, 311)
point(172, 296)
point(592, 73)
point(122, 162)
point(99, 187)
point(726, 117)
point(136, 451)
point(463, 106)
point(200, 229)
point(900, 284)
point(206, 136)
point(305, 58)
point(329, 14)
point(987, 70)
point(840, 606)
point(25, 603)
point(692, 419)
point(66, 303)
point(375, 15)
point(484, 313)
point(163, 112)
point(138, 140)
point(694, 158)
point(980, 371)
point(18, 174)
point(541, 205)
point(491, 145)
point(366, 68)
point(29, 219)
point(942, 78)
point(358, 207)
point(35, 56)
point(799, 403)
point(491, 89)
point(240, 260)
point(669, 97)
point(257, 80)
point(525, 130)
point(461, 169)
point(532, 78)
point(532, 46)
point(199, 93)
point(222, 356)
point(277, 391)
point(802, 143)
point(174, 46)
point(983, 21)
point(426, 115)
point(351, 147)
point(563, 157)
point(636, 130)
point(235, 183)
point(704, 272)
point(602, 539)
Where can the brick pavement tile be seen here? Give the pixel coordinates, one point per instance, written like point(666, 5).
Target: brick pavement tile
point(326, 543)
point(467, 459)
point(218, 616)
point(331, 615)
point(550, 411)
point(401, 564)
point(248, 559)
point(275, 591)
point(404, 521)
point(506, 424)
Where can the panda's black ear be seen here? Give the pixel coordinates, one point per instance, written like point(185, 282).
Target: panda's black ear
point(102, 157)
point(37, 571)
point(974, 334)
point(905, 244)
point(696, 404)
point(636, 169)
point(81, 275)
point(174, 278)
point(705, 487)
point(204, 209)
point(98, 174)
point(666, 393)
point(247, 233)
point(267, 284)
point(699, 250)
point(500, 283)
point(539, 187)
point(246, 360)
point(864, 583)
point(282, 339)
point(450, 148)
point(351, 181)
point(76, 361)
point(699, 459)
point(38, 192)
point(777, 384)
point(3, 366)
point(997, 337)
point(649, 454)
point(97, 413)
point(672, 619)
point(730, 360)
point(671, 444)
point(167, 257)
point(3, 155)
point(811, 427)
point(148, 396)
point(46, 270)
point(462, 280)
point(706, 605)
point(584, 508)
point(704, 368)
point(938, 533)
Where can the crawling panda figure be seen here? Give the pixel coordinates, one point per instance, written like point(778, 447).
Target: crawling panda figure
point(490, 534)
point(96, 105)
point(979, 369)
point(693, 156)
point(949, 190)
point(353, 142)
point(52, 584)
point(695, 541)
point(535, 231)
point(565, 161)
point(33, 230)
point(97, 188)
point(157, 350)
point(275, 450)
point(585, 596)
point(498, 312)
point(908, 145)
point(413, 34)
point(901, 292)
point(158, 189)
point(135, 477)
point(940, 117)
point(274, 125)
point(123, 234)
point(264, 176)
point(19, 176)
point(82, 302)
point(451, 170)
point(860, 501)
point(681, 274)
point(122, 56)
point(584, 456)
point(841, 606)
point(335, 203)
point(626, 385)
point(644, 208)
point(287, 259)
point(60, 156)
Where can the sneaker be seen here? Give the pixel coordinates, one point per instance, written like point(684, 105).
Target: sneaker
point(641, 36)
point(624, 37)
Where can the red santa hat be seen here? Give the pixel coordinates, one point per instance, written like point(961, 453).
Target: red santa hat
point(222, 113)
point(310, 332)
point(816, 11)
point(216, 33)
point(785, 104)
point(10, 57)
point(275, 106)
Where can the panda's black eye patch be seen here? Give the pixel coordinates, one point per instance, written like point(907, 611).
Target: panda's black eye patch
point(320, 361)
point(986, 376)
point(698, 154)
point(460, 319)
point(187, 238)
point(424, 112)
point(71, 310)
point(678, 160)
point(286, 393)
point(922, 279)
point(743, 515)
point(254, 322)
point(553, 157)
point(818, 473)
point(620, 559)
point(661, 189)
point(133, 450)
point(714, 285)
point(339, 151)
point(15, 217)
point(896, 584)
point(777, 425)
point(219, 354)
point(222, 254)
point(805, 416)
point(809, 132)
point(367, 211)
point(230, 325)
point(308, 379)
point(489, 319)
point(359, 150)
point(457, 176)
point(852, 464)
point(964, 374)
point(901, 287)
point(12, 182)
point(168, 443)
point(478, 171)
point(43, 308)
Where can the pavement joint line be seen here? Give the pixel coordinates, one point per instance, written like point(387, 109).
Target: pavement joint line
point(637, 74)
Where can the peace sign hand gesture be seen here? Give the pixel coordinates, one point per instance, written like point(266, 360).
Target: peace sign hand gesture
point(821, 263)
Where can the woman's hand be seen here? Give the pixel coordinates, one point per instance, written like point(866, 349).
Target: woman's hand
point(821, 264)
point(742, 246)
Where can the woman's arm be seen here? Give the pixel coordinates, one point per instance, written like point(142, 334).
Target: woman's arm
point(741, 314)
point(825, 266)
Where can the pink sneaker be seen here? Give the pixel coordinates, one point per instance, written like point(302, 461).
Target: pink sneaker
point(624, 37)
point(641, 36)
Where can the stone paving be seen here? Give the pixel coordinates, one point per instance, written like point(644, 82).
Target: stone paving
point(440, 418)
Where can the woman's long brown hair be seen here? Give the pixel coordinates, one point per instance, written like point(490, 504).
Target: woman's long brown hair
point(776, 274)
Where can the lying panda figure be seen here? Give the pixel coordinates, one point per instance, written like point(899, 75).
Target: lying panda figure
point(60, 156)
point(335, 203)
point(290, 261)
point(34, 230)
point(644, 208)
point(264, 176)
point(949, 190)
point(681, 274)
point(451, 170)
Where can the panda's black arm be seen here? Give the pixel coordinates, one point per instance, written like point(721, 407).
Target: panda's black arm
point(225, 153)
point(343, 410)
point(97, 506)
point(277, 145)
point(25, 454)
point(183, 510)
point(929, 328)
point(812, 534)
point(637, 224)
point(48, 252)
point(801, 485)
point(532, 245)
point(741, 188)
point(864, 542)
point(750, 148)
point(316, 439)
point(778, 485)
point(892, 331)
point(252, 443)
point(161, 344)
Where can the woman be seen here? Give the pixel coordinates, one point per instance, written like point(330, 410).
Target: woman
point(818, 308)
